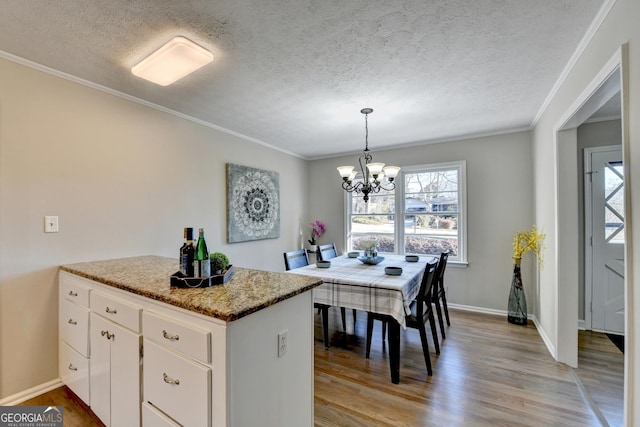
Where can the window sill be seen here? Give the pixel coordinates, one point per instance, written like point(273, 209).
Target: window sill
point(457, 264)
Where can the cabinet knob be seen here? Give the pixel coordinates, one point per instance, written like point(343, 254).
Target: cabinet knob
point(72, 368)
point(73, 294)
point(170, 337)
point(111, 311)
point(72, 322)
point(169, 380)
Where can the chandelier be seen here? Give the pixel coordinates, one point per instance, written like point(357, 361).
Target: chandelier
point(374, 173)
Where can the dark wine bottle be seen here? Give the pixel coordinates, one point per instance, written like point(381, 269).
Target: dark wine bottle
point(201, 265)
point(187, 252)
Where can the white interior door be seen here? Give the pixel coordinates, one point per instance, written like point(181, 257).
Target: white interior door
point(607, 227)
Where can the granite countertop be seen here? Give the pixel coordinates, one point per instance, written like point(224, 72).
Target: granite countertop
point(246, 292)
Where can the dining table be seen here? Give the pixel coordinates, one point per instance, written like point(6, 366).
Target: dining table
point(356, 283)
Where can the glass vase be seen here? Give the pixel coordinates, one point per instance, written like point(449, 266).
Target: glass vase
point(517, 310)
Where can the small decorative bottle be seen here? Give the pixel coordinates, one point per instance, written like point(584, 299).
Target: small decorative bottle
point(201, 264)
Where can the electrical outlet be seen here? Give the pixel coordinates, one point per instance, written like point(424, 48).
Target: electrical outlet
point(51, 224)
point(283, 343)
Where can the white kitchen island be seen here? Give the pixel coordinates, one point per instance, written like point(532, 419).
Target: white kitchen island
point(141, 352)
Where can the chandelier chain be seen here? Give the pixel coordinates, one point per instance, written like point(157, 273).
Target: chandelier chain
point(366, 132)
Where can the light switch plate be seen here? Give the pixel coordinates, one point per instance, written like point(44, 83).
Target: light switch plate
point(51, 224)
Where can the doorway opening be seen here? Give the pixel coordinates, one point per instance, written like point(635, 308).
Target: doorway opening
point(608, 89)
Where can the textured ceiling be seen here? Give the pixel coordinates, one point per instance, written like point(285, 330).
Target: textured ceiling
point(294, 74)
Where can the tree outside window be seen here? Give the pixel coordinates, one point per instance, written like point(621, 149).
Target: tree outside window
point(424, 215)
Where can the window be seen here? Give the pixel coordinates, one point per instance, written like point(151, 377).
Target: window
point(614, 202)
point(424, 215)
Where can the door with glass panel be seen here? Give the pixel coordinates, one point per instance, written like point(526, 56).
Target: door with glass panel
point(607, 228)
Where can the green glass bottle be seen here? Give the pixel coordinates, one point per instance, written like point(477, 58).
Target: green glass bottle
point(201, 265)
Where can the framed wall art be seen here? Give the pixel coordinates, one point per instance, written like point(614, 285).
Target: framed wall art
point(253, 204)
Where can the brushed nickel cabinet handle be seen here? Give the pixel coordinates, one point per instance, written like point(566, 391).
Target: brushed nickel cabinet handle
point(72, 368)
point(170, 337)
point(169, 380)
point(72, 322)
point(111, 311)
point(73, 294)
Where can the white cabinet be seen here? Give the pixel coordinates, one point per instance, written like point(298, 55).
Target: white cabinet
point(178, 386)
point(138, 361)
point(115, 362)
point(73, 349)
point(177, 335)
point(154, 418)
point(74, 371)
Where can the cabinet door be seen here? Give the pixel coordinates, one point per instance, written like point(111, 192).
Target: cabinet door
point(100, 367)
point(125, 377)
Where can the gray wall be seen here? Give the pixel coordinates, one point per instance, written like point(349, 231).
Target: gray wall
point(499, 197)
point(124, 180)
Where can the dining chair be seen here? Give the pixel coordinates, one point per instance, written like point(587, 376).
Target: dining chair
point(297, 259)
point(421, 313)
point(439, 293)
point(327, 251)
point(324, 253)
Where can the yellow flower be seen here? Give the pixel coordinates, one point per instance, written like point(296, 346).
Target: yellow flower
point(525, 241)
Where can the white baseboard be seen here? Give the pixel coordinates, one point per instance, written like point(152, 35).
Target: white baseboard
point(545, 338)
point(477, 309)
point(582, 325)
point(31, 393)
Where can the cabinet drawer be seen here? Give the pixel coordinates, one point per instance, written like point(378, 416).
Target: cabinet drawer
point(74, 326)
point(177, 335)
point(151, 417)
point(73, 369)
point(116, 310)
point(72, 289)
point(178, 387)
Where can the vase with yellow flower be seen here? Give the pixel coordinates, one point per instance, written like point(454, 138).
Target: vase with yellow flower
point(523, 242)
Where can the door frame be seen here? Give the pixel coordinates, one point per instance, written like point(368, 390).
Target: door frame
point(566, 349)
point(588, 231)
point(566, 207)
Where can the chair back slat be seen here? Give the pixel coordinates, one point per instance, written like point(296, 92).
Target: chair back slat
point(427, 282)
point(442, 264)
point(327, 251)
point(295, 259)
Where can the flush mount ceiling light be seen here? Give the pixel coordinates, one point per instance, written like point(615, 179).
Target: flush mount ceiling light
point(176, 59)
point(374, 174)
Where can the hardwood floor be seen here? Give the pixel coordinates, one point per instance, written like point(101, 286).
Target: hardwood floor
point(76, 413)
point(601, 371)
point(489, 373)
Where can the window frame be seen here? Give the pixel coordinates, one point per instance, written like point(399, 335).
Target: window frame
point(399, 215)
